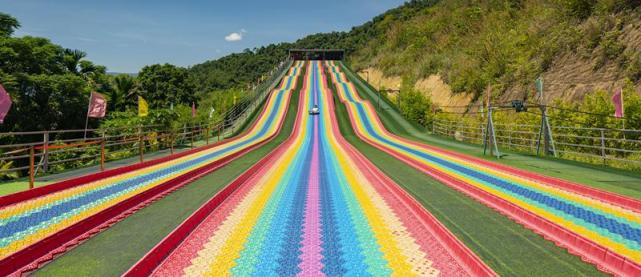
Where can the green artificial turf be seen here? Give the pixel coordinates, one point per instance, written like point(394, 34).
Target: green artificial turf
point(16, 186)
point(505, 246)
point(619, 181)
point(116, 249)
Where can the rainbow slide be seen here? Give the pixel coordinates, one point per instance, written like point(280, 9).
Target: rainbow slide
point(38, 223)
point(313, 207)
point(601, 227)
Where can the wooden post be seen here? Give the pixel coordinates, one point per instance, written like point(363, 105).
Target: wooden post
point(447, 129)
point(218, 133)
point(510, 137)
point(140, 145)
point(433, 119)
point(32, 158)
point(223, 131)
point(603, 147)
point(102, 154)
point(482, 128)
point(45, 164)
point(207, 135)
point(172, 139)
point(191, 135)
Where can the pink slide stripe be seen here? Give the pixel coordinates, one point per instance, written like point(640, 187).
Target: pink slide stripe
point(311, 264)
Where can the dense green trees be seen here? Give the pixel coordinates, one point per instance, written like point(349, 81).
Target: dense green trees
point(162, 85)
point(48, 91)
point(414, 106)
point(122, 93)
point(238, 69)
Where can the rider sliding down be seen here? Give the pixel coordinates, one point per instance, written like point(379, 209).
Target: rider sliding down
point(314, 110)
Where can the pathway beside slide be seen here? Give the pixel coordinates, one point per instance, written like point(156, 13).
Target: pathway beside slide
point(601, 227)
point(313, 207)
point(31, 222)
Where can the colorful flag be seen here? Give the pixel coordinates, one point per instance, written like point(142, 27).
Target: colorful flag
point(193, 109)
point(617, 99)
point(97, 105)
point(5, 103)
point(143, 108)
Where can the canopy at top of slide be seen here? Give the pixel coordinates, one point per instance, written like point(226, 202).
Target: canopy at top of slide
point(316, 207)
point(604, 219)
point(27, 222)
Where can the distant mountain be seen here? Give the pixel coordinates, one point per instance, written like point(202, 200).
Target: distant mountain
point(119, 73)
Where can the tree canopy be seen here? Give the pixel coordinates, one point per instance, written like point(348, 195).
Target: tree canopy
point(163, 85)
point(8, 24)
point(48, 84)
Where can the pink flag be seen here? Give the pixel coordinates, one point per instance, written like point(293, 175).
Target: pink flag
point(193, 109)
point(617, 99)
point(5, 103)
point(97, 105)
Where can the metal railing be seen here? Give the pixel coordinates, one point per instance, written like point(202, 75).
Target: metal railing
point(247, 105)
point(46, 152)
point(614, 147)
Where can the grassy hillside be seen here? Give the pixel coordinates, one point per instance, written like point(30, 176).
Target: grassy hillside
point(472, 44)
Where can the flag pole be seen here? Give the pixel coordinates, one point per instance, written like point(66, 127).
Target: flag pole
point(87, 117)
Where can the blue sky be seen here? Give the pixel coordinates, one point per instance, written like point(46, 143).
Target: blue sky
point(127, 35)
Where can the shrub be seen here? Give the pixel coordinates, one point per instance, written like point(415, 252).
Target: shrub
point(580, 8)
point(414, 106)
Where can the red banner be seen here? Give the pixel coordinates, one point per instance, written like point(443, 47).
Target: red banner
point(617, 100)
point(5, 103)
point(97, 105)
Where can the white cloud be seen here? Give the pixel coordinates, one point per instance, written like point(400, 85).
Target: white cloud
point(236, 36)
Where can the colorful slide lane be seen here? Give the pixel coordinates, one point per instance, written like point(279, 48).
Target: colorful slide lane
point(313, 207)
point(602, 228)
point(25, 223)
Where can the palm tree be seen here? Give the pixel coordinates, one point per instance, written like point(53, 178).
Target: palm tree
point(123, 88)
point(72, 59)
point(8, 24)
point(91, 72)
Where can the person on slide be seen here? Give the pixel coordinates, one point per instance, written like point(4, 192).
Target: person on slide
point(314, 110)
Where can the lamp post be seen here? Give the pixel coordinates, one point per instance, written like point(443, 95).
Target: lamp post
point(378, 101)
